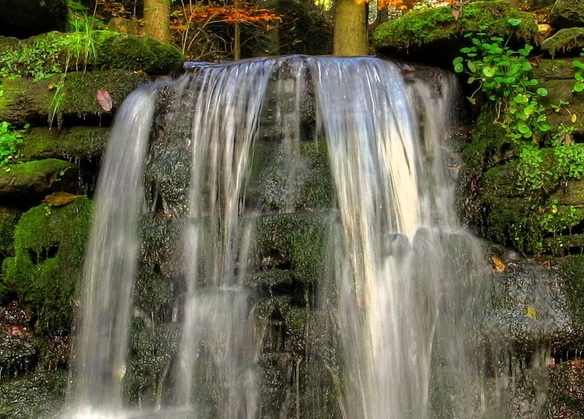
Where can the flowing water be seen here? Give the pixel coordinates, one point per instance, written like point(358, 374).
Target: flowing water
point(401, 282)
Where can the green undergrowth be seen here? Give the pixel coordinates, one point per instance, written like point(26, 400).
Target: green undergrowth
point(522, 160)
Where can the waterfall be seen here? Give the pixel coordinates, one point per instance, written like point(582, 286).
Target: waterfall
point(402, 281)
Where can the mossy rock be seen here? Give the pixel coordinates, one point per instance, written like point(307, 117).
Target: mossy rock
point(291, 181)
point(557, 76)
point(23, 18)
point(43, 103)
point(87, 143)
point(567, 14)
point(568, 41)
point(555, 69)
point(435, 36)
point(132, 52)
point(49, 247)
point(292, 242)
point(58, 52)
point(37, 179)
point(528, 219)
point(41, 395)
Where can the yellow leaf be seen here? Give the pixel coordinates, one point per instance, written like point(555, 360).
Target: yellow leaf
point(531, 312)
point(59, 199)
point(574, 117)
point(498, 264)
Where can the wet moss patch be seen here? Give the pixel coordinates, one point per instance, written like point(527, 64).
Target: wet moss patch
point(49, 246)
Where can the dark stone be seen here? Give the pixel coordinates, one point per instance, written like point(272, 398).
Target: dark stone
point(24, 18)
point(567, 14)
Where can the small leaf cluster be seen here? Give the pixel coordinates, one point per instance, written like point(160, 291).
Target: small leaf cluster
point(38, 59)
point(10, 139)
point(503, 75)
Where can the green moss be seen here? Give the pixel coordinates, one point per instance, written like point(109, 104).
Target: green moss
point(55, 52)
point(318, 192)
point(132, 52)
point(49, 245)
point(152, 350)
point(60, 96)
point(35, 177)
point(294, 242)
point(489, 144)
point(79, 89)
point(424, 27)
point(564, 41)
point(74, 143)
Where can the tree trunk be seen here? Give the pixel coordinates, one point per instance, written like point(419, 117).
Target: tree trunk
point(157, 19)
point(350, 32)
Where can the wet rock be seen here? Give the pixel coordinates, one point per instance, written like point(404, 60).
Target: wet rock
point(43, 102)
point(569, 41)
point(567, 13)
point(40, 395)
point(531, 310)
point(31, 181)
point(74, 143)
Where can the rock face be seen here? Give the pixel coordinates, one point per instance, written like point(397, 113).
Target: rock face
point(567, 14)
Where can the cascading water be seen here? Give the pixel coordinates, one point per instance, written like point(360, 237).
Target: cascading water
point(400, 281)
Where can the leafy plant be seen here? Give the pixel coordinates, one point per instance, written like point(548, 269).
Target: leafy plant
point(503, 75)
point(578, 75)
point(10, 139)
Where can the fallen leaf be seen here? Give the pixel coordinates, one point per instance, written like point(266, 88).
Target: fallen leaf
point(456, 11)
point(59, 199)
point(104, 99)
point(531, 312)
point(498, 264)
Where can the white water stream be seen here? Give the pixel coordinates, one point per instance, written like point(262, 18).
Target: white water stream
point(406, 277)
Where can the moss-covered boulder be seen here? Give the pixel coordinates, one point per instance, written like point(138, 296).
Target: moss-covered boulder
point(568, 41)
point(567, 14)
point(137, 53)
point(30, 181)
point(66, 98)
point(49, 246)
point(86, 143)
point(435, 36)
point(24, 18)
point(58, 52)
